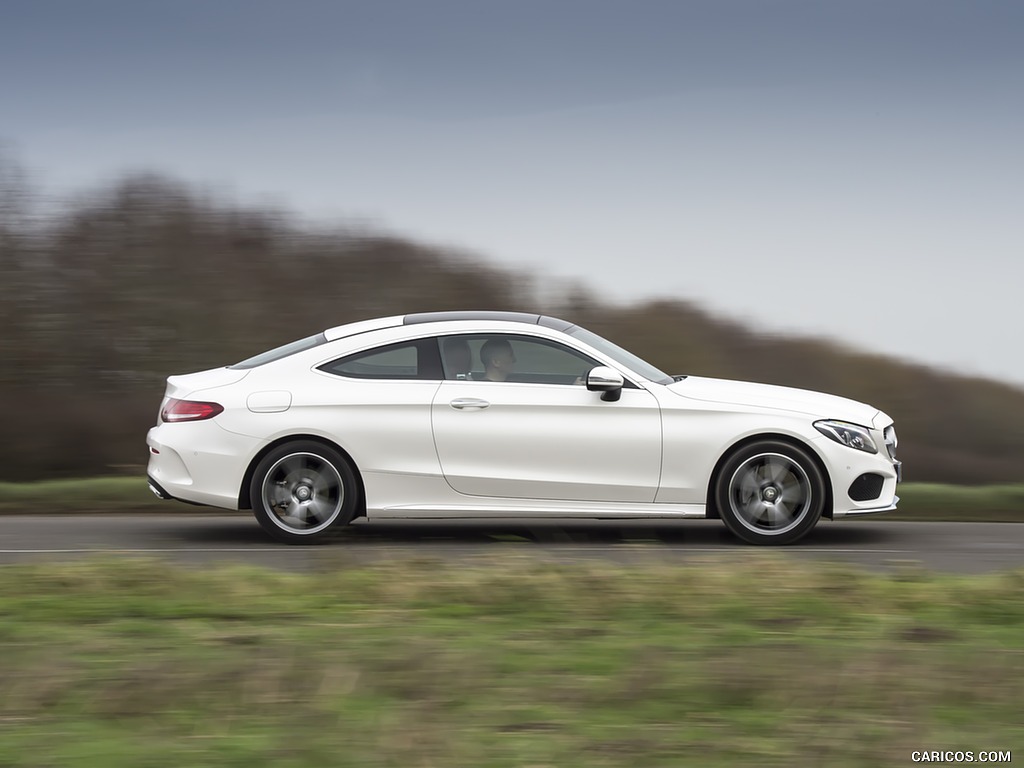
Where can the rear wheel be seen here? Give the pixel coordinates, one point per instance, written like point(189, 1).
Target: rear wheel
point(770, 492)
point(303, 491)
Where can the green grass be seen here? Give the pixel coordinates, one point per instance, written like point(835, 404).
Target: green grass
point(918, 501)
point(504, 662)
point(90, 495)
point(986, 503)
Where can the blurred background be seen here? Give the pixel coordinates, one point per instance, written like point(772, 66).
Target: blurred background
point(825, 196)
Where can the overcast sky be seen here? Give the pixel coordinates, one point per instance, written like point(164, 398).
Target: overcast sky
point(848, 169)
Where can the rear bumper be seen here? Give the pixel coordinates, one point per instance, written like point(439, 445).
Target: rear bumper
point(160, 493)
point(199, 463)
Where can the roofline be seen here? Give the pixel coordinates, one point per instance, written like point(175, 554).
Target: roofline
point(418, 318)
point(488, 316)
point(362, 326)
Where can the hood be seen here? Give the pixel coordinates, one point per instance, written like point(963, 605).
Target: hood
point(185, 384)
point(816, 404)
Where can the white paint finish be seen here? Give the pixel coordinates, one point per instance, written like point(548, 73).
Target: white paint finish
point(201, 461)
point(399, 496)
point(549, 450)
point(844, 469)
point(472, 509)
point(183, 385)
point(275, 401)
point(389, 492)
point(363, 326)
point(383, 425)
point(771, 396)
point(882, 420)
point(697, 434)
point(548, 442)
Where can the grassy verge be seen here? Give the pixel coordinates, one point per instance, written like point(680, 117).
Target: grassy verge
point(918, 501)
point(988, 503)
point(90, 495)
point(511, 662)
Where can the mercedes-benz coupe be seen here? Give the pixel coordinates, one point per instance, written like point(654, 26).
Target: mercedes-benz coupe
point(508, 415)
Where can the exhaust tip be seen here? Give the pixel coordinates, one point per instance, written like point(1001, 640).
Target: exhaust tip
point(159, 492)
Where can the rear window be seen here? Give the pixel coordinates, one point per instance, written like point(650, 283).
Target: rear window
point(417, 359)
point(281, 352)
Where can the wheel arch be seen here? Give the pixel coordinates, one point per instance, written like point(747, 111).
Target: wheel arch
point(711, 505)
point(244, 498)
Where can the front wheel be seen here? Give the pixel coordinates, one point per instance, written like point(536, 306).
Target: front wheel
point(770, 492)
point(302, 491)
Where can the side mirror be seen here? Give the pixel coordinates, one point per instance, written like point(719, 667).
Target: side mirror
point(606, 380)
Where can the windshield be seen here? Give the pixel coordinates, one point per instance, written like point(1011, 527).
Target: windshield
point(276, 354)
point(621, 356)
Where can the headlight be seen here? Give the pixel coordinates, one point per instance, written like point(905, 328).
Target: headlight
point(850, 435)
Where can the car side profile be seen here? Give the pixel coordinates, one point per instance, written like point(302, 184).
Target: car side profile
point(507, 414)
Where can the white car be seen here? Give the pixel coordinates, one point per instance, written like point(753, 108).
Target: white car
point(507, 414)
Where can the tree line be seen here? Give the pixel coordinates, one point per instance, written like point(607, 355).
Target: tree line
point(105, 296)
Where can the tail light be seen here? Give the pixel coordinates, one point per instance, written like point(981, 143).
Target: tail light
point(189, 410)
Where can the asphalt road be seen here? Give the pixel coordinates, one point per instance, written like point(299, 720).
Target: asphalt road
point(202, 539)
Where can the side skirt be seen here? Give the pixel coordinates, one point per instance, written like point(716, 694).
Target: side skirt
point(516, 508)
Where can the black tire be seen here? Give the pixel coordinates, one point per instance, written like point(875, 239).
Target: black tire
point(770, 492)
point(304, 492)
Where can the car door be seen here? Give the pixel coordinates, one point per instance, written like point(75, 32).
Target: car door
point(376, 404)
point(539, 433)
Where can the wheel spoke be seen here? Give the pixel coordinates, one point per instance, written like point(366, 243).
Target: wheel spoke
point(290, 467)
point(748, 486)
point(791, 493)
point(291, 515)
point(776, 518)
point(325, 485)
point(775, 470)
point(785, 510)
point(320, 509)
point(751, 509)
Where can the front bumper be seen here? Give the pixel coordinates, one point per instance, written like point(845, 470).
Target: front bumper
point(845, 465)
point(872, 510)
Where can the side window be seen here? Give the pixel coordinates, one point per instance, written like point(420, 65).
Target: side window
point(404, 360)
point(458, 358)
point(507, 357)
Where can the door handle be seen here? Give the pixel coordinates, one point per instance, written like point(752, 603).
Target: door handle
point(467, 403)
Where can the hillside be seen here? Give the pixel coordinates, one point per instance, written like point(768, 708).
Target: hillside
point(103, 298)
